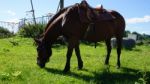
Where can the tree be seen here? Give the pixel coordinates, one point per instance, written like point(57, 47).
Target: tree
point(126, 33)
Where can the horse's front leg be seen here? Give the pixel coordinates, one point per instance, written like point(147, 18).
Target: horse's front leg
point(80, 62)
point(69, 54)
point(71, 45)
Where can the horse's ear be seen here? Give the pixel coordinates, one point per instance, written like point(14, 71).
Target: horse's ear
point(84, 4)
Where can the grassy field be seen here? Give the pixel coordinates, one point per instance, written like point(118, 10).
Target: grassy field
point(18, 65)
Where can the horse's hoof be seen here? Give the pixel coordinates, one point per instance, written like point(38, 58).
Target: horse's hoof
point(66, 70)
point(80, 67)
point(106, 63)
point(118, 67)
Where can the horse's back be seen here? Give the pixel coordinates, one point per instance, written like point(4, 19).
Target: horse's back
point(99, 31)
point(106, 29)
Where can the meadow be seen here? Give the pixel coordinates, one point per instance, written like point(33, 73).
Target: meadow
point(18, 65)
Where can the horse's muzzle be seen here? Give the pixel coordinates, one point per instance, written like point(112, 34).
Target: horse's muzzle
point(41, 65)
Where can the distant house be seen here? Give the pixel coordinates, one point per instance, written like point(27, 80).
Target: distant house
point(128, 42)
point(133, 36)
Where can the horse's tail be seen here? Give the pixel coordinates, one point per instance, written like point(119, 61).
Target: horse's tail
point(119, 22)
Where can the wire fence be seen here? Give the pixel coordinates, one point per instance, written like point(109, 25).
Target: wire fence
point(13, 27)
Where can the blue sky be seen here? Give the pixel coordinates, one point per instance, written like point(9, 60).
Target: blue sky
point(136, 12)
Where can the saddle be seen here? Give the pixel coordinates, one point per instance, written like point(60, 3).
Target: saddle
point(101, 14)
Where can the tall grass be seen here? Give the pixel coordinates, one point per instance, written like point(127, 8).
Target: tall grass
point(18, 65)
point(31, 30)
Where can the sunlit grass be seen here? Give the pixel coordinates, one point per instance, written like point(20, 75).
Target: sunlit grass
point(18, 65)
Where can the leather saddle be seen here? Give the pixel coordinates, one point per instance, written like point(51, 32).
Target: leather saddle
point(101, 14)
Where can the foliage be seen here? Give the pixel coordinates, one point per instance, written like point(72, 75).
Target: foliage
point(31, 30)
point(4, 32)
point(140, 36)
point(126, 33)
point(18, 65)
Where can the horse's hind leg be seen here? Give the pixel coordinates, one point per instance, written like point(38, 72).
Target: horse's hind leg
point(108, 44)
point(119, 46)
point(80, 62)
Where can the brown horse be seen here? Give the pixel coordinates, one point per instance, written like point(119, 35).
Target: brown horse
point(57, 26)
point(73, 24)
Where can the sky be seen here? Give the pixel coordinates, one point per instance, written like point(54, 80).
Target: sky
point(135, 12)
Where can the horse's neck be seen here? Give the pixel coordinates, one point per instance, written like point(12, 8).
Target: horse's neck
point(49, 38)
point(52, 33)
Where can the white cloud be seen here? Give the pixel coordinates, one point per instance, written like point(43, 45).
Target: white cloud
point(144, 19)
point(12, 13)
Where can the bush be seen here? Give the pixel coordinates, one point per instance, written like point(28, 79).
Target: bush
point(31, 30)
point(4, 33)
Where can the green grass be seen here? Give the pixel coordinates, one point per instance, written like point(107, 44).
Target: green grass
point(18, 65)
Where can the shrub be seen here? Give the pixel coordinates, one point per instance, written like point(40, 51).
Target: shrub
point(31, 30)
point(4, 33)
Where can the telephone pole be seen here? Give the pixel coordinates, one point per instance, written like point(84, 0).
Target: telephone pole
point(33, 13)
point(61, 4)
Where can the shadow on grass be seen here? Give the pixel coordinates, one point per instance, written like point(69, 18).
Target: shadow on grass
point(137, 50)
point(133, 49)
point(126, 76)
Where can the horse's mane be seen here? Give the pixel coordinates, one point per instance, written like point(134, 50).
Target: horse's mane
point(56, 15)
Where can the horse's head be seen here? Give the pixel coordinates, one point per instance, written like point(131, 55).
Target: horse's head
point(44, 52)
